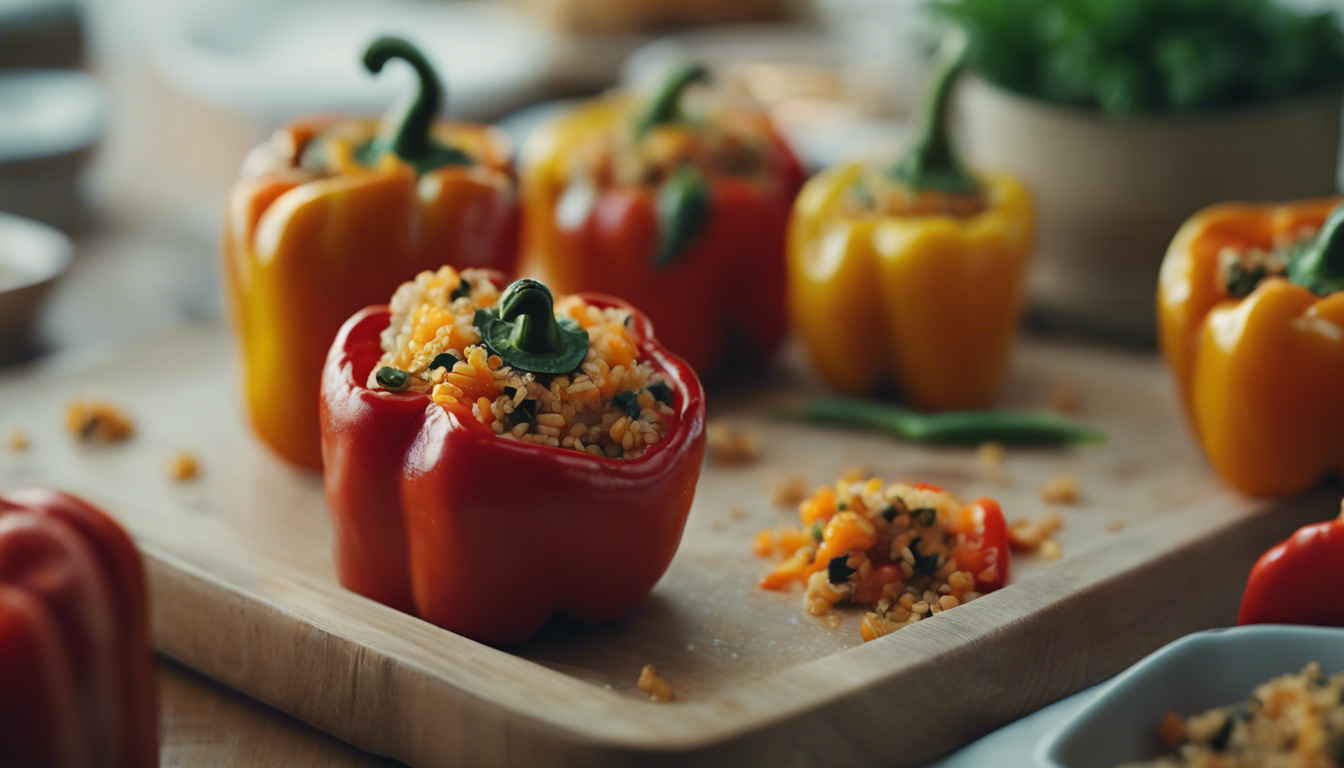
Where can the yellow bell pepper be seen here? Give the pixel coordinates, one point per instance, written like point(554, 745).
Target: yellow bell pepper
point(332, 215)
point(1251, 319)
point(923, 286)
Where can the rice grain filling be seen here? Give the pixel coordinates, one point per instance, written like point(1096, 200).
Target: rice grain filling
point(613, 404)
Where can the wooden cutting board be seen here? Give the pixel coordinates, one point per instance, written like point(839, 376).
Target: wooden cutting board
point(243, 588)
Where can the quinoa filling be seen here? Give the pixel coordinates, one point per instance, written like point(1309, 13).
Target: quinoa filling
point(1240, 270)
point(887, 548)
point(1292, 721)
point(728, 144)
point(610, 404)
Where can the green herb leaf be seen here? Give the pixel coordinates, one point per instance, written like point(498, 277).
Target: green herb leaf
point(443, 360)
point(889, 513)
point(392, 379)
point(525, 411)
point(948, 427)
point(818, 532)
point(1218, 742)
point(925, 516)
point(838, 570)
point(628, 401)
point(661, 392)
point(462, 291)
point(683, 210)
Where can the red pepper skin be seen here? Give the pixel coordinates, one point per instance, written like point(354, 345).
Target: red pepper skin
point(436, 515)
point(1297, 581)
point(75, 664)
point(732, 276)
point(986, 550)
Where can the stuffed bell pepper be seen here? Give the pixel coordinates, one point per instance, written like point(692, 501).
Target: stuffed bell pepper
point(494, 457)
point(331, 215)
point(681, 212)
point(912, 275)
point(75, 664)
point(1251, 316)
point(907, 552)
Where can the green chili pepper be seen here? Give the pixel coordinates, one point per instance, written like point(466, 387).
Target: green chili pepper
point(932, 163)
point(1319, 266)
point(524, 331)
point(392, 379)
point(665, 106)
point(406, 128)
point(683, 210)
point(952, 427)
point(628, 401)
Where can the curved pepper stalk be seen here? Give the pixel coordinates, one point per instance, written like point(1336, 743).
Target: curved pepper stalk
point(407, 128)
point(75, 663)
point(932, 162)
point(436, 515)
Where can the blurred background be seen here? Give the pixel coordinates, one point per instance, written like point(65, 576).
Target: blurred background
point(124, 122)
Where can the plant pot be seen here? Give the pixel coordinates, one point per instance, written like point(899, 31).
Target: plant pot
point(1112, 193)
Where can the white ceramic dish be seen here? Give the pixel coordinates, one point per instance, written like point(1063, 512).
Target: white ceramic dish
point(1194, 674)
point(32, 257)
point(1111, 193)
point(274, 61)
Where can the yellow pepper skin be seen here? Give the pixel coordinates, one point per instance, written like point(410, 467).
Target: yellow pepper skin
point(1260, 377)
point(303, 251)
point(930, 302)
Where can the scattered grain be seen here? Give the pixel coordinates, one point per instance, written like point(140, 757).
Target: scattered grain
point(97, 421)
point(1059, 490)
point(790, 493)
point(653, 684)
point(1028, 535)
point(729, 446)
point(183, 466)
point(18, 440)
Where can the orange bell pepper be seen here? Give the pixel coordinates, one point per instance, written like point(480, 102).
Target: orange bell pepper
point(1251, 317)
point(684, 219)
point(332, 215)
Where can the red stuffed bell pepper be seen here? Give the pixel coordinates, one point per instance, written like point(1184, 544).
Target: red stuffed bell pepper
point(75, 666)
point(1298, 581)
point(496, 458)
point(669, 210)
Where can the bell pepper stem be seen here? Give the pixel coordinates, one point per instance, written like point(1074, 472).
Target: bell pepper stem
point(931, 162)
point(406, 128)
point(529, 305)
point(1319, 267)
point(665, 106)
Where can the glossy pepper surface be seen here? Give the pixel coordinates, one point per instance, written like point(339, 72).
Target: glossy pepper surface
point(1251, 317)
point(436, 515)
point(1298, 581)
point(331, 215)
point(685, 218)
point(75, 664)
point(912, 274)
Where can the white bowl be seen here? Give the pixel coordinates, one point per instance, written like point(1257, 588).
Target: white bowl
point(32, 257)
point(1112, 193)
point(1210, 669)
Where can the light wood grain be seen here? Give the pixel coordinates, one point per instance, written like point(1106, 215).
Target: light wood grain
point(244, 592)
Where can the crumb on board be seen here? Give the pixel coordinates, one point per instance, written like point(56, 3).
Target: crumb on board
point(729, 446)
point(717, 526)
point(1050, 549)
point(1115, 526)
point(183, 466)
point(833, 620)
point(651, 683)
point(790, 493)
point(1064, 399)
point(18, 440)
point(855, 473)
point(1071, 575)
point(1031, 535)
point(1059, 490)
point(737, 513)
point(97, 421)
point(990, 455)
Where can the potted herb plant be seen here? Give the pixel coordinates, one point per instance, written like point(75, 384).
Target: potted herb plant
point(1126, 116)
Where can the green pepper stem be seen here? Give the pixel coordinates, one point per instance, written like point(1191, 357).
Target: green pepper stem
point(932, 162)
point(1320, 266)
point(529, 305)
point(406, 129)
point(665, 106)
